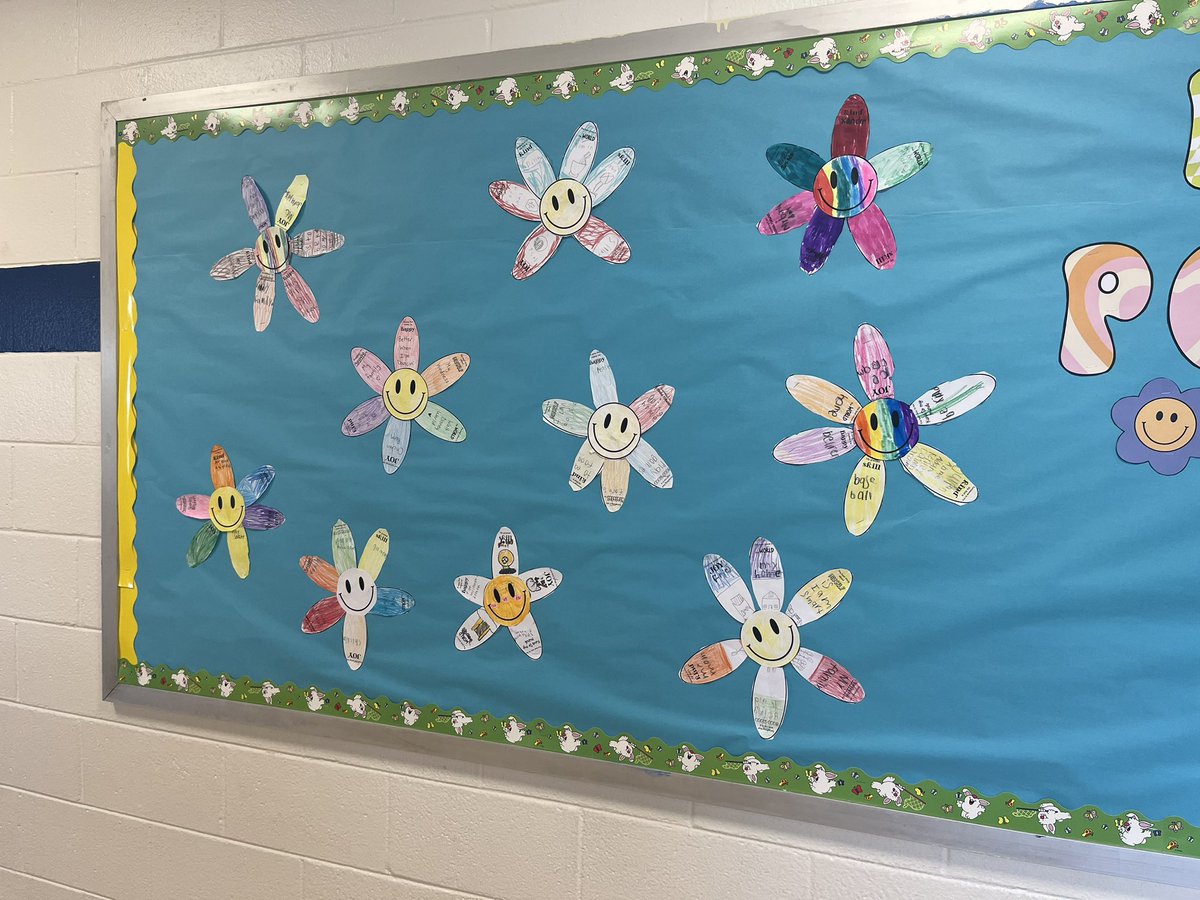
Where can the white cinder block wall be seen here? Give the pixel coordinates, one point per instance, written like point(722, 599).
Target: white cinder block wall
point(138, 802)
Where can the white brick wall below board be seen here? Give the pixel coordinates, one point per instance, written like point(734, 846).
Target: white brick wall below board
point(104, 801)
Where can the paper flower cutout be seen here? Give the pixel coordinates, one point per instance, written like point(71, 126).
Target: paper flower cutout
point(885, 429)
point(564, 205)
point(614, 435)
point(355, 593)
point(842, 189)
point(404, 396)
point(274, 249)
point(505, 599)
point(772, 638)
point(1158, 426)
point(231, 511)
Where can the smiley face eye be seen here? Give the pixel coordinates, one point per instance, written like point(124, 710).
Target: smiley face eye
point(1158, 415)
point(854, 175)
point(895, 419)
point(608, 419)
point(774, 626)
point(1174, 417)
point(362, 585)
point(571, 195)
point(496, 594)
point(511, 592)
point(554, 203)
point(757, 634)
point(221, 500)
point(624, 424)
point(399, 385)
point(348, 588)
point(233, 500)
point(833, 180)
point(413, 387)
point(278, 243)
point(874, 422)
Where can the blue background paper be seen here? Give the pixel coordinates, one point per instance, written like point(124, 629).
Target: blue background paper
point(1041, 640)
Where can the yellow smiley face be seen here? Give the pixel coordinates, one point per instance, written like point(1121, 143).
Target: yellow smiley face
point(505, 558)
point(271, 249)
point(566, 206)
point(771, 639)
point(1165, 424)
point(405, 394)
point(614, 431)
point(226, 509)
point(506, 599)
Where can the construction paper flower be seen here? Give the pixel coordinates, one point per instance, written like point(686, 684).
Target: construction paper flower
point(356, 595)
point(404, 396)
point(613, 435)
point(885, 429)
point(772, 638)
point(273, 252)
point(231, 511)
point(564, 205)
point(842, 189)
point(1158, 426)
point(505, 599)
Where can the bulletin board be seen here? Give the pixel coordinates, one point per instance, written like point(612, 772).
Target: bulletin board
point(813, 415)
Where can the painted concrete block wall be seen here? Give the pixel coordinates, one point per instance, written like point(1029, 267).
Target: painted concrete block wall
point(140, 801)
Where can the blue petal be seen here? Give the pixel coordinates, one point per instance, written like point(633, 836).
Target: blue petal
point(392, 602)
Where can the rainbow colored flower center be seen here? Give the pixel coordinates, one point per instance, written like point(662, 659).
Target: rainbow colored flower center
point(886, 429)
point(845, 186)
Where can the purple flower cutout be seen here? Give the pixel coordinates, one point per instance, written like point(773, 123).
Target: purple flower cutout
point(1158, 426)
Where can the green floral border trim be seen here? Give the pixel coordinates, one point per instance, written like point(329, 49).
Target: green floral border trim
point(1087, 824)
point(1016, 30)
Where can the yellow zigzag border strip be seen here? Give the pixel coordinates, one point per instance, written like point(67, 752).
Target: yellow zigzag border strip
point(127, 627)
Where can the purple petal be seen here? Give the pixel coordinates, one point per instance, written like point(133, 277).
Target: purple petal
point(365, 417)
point(262, 518)
point(822, 234)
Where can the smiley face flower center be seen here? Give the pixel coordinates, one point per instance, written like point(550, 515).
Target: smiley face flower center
point(405, 394)
point(506, 599)
point(614, 431)
point(226, 509)
point(771, 639)
point(271, 249)
point(566, 206)
point(356, 591)
point(1165, 424)
point(845, 186)
point(886, 429)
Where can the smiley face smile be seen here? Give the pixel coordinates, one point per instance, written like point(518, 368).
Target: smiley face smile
point(405, 394)
point(833, 205)
point(1159, 423)
point(771, 639)
point(357, 592)
point(225, 504)
point(845, 186)
point(886, 429)
point(566, 206)
point(614, 431)
point(506, 599)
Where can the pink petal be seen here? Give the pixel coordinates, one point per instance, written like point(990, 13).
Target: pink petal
point(371, 369)
point(794, 212)
point(300, 294)
point(194, 506)
point(515, 199)
point(603, 240)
